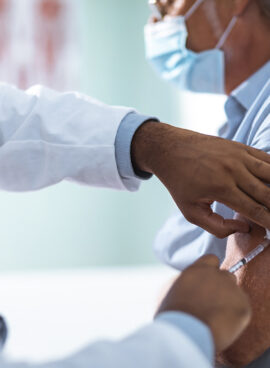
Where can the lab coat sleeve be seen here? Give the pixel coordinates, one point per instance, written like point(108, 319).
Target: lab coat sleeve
point(47, 137)
point(159, 345)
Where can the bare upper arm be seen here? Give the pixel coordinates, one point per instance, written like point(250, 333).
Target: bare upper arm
point(254, 278)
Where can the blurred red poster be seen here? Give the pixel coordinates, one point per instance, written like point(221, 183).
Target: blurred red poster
point(38, 43)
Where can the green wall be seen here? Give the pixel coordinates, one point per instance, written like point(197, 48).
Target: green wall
point(72, 226)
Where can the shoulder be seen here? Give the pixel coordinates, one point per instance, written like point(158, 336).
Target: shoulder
point(260, 131)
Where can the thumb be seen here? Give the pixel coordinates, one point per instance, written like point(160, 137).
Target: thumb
point(215, 224)
point(208, 260)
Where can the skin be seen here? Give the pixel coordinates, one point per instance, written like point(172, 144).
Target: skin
point(198, 292)
point(227, 172)
point(246, 50)
point(254, 279)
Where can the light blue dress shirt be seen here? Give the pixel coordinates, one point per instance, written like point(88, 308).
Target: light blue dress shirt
point(127, 129)
point(180, 243)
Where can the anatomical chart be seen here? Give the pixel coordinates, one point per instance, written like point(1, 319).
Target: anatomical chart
point(39, 43)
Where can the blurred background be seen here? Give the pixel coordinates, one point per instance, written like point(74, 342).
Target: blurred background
point(96, 47)
point(76, 263)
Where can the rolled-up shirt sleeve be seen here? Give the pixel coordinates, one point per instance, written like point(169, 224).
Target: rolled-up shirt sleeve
point(126, 131)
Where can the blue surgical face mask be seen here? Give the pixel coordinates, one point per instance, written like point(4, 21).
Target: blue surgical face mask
point(166, 50)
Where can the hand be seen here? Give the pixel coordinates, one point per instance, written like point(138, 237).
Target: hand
point(198, 169)
point(213, 297)
point(171, 7)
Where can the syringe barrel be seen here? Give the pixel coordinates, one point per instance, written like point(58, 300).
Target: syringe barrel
point(237, 266)
point(254, 253)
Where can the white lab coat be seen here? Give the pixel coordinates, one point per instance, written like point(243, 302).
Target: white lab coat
point(46, 137)
point(159, 345)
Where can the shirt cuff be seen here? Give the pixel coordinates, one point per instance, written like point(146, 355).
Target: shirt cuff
point(196, 330)
point(126, 131)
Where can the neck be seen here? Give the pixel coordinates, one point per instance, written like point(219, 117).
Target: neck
point(241, 71)
point(248, 51)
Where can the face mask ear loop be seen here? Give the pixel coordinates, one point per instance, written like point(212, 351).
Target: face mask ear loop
point(226, 34)
point(193, 8)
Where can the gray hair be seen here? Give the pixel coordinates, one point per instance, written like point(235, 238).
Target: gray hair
point(265, 6)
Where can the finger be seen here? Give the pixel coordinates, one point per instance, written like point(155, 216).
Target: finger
point(260, 155)
point(164, 6)
point(259, 168)
point(203, 216)
point(161, 5)
point(165, 3)
point(153, 19)
point(208, 260)
point(257, 190)
point(246, 206)
point(229, 275)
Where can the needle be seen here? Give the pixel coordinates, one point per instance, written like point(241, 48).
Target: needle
point(250, 256)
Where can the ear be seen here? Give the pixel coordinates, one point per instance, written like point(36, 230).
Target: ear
point(240, 6)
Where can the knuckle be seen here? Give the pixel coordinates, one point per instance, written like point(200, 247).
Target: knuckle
point(228, 167)
point(244, 310)
point(221, 234)
point(229, 275)
point(221, 191)
point(232, 165)
point(211, 258)
point(267, 197)
point(258, 165)
point(225, 190)
point(257, 212)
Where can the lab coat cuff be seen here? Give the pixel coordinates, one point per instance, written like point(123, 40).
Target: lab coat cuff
point(126, 131)
point(196, 330)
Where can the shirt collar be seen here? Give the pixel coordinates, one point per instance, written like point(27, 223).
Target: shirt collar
point(242, 98)
point(248, 91)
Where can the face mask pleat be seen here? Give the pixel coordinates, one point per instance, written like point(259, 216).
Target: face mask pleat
point(166, 50)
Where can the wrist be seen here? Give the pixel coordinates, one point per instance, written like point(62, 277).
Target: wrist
point(150, 146)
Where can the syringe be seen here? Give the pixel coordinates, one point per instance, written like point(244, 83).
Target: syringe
point(253, 254)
